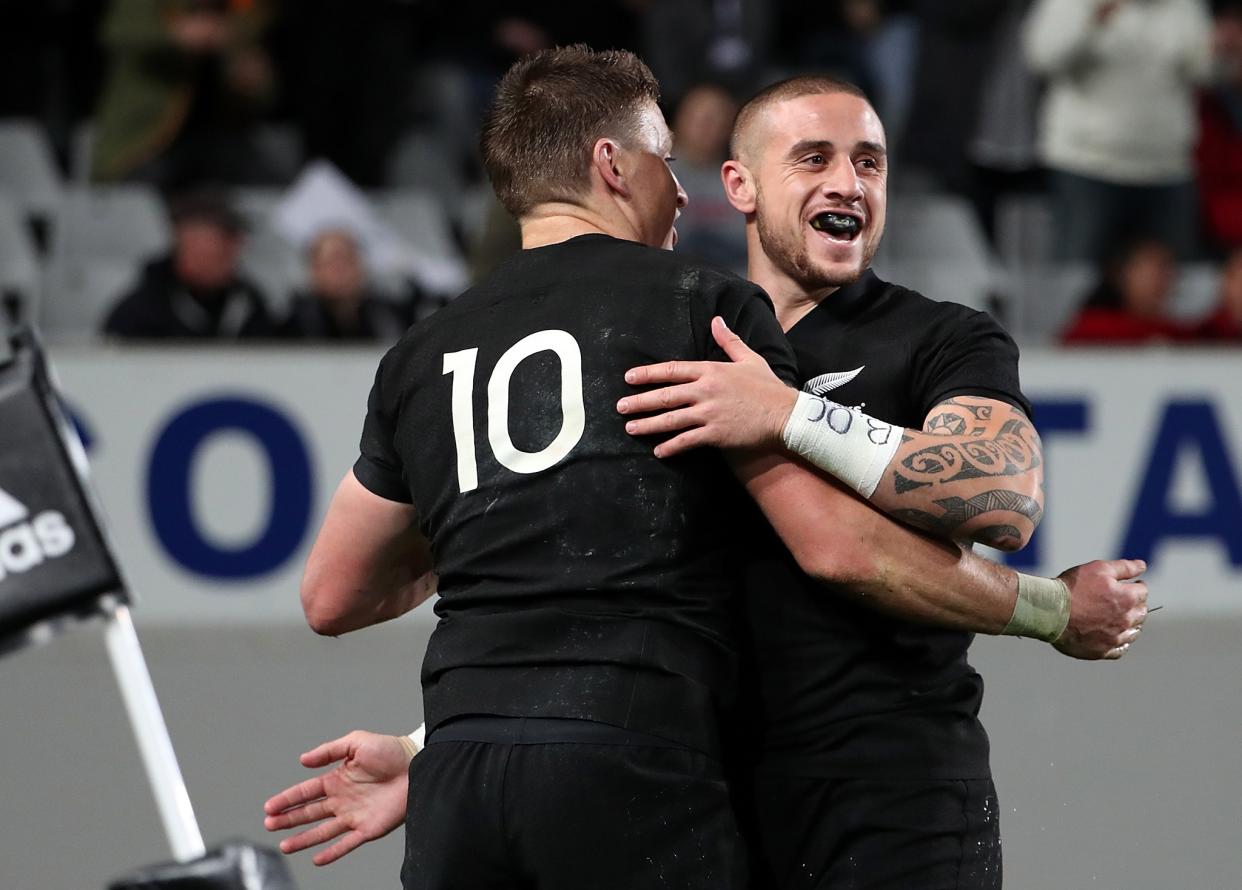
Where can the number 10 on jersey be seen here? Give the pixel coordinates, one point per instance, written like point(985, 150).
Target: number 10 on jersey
point(573, 415)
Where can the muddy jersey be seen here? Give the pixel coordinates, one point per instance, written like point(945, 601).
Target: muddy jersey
point(580, 577)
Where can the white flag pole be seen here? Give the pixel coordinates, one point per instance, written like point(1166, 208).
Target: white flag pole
point(152, 734)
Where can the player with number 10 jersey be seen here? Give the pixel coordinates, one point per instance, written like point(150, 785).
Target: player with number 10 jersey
point(578, 577)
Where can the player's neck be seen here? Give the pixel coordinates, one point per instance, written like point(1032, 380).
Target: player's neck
point(789, 298)
point(556, 222)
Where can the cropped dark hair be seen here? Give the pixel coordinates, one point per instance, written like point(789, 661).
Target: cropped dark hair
point(549, 110)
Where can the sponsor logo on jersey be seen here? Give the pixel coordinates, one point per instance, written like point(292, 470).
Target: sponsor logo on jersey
point(26, 542)
point(826, 383)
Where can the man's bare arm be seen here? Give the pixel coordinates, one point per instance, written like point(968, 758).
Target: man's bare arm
point(975, 470)
point(835, 536)
point(370, 563)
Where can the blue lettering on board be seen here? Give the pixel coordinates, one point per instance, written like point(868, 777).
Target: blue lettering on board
point(1189, 430)
point(169, 483)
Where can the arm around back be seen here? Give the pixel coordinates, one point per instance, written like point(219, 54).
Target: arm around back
point(974, 472)
point(836, 537)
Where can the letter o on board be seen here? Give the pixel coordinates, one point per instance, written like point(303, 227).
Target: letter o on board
point(169, 483)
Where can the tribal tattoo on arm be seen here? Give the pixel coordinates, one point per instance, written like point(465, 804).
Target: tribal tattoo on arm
point(974, 472)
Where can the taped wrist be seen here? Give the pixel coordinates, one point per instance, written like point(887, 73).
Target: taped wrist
point(1042, 610)
point(850, 445)
point(413, 743)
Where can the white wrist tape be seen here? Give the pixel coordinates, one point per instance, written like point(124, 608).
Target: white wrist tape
point(846, 443)
point(1042, 610)
point(413, 743)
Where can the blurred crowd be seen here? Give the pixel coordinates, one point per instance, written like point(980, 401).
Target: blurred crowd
point(1122, 117)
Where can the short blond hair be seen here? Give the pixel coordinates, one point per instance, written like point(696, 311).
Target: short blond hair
point(548, 112)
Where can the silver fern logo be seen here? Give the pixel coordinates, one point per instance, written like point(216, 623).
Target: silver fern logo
point(826, 383)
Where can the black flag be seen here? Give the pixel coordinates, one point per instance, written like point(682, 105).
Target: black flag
point(54, 560)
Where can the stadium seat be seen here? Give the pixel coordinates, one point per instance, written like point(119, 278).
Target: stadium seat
point(934, 244)
point(420, 219)
point(474, 204)
point(1196, 291)
point(935, 226)
point(19, 264)
point(268, 259)
point(1050, 296)
point(102, 237)
point(28, 169)
point(1024, 231)
point(422, 160)
point(256, 204)
point(1047, 298)
point(944, 281)
point(273, 265)
point(81, 294)
point(81, 150)
point(113, 222)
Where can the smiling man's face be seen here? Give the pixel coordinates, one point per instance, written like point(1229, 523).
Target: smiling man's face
point(821, 175)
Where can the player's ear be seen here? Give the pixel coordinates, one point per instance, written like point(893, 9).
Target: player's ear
point(606, 159)
point(739, 186)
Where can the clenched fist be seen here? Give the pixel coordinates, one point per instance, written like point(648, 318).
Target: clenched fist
point(1107, 608)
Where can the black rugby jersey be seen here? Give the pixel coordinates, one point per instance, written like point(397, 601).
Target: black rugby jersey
point(846, 690)
point(580, 577)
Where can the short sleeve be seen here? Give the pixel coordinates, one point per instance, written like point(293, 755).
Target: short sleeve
point(379, 467)
point(971, 355)
point(748, 312)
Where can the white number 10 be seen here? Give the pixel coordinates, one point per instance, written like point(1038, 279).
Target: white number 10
point(573, 415)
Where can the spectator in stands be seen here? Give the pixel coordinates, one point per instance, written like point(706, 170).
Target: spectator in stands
point(343, 67)
point(339, 305)
point(1226, 322)
point(462, 49)
point(831, 37)
point(708, 228)
point(1001, 150)
point(1128, 303)
point(956, 46)
point(871, 43)
point(724, 41)
point(196, 292)
point(1219, 153)
point(187, 82)
point(1118, 120)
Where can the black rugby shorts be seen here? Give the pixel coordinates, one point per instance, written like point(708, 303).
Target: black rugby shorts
point(493, 804)
point(856, 834)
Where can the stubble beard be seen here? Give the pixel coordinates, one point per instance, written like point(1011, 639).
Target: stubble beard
point(788, 252)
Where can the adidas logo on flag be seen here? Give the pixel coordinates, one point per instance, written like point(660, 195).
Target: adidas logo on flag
point(11, 509)
point(25, 544)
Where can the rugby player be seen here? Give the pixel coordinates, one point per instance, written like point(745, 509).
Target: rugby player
point(871, 769)
point(526, 592)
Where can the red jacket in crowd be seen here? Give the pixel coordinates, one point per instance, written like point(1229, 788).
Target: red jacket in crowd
point(1117, 327)
point(1218, 157)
